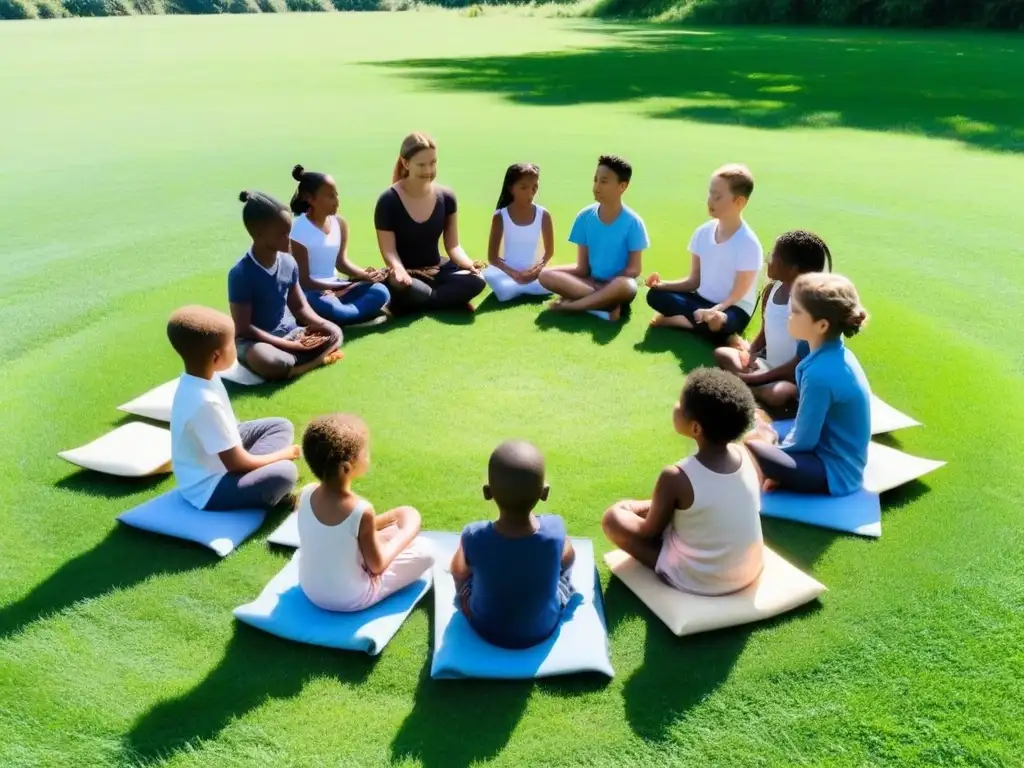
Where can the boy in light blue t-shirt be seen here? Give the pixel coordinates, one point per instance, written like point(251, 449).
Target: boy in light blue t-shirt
point(610, 239)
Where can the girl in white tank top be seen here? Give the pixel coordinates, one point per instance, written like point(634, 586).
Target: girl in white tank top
point(350, 558)
point(768, 364)
point(701, 530)
point(525, 230)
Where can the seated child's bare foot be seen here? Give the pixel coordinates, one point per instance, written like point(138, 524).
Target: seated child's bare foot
point(657, 320)
point(738, 342)
point(769, 485)
point(334, 357)
point(559, 305)
point(615, 313)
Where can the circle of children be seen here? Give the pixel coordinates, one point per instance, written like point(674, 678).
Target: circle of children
point(700, 531)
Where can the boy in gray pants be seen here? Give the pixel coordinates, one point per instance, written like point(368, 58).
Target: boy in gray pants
point(218, 463)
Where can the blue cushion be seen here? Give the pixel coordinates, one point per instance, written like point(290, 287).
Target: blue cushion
point(859, 513)
point(283, 609)
point(171, 515)
point(580, 644)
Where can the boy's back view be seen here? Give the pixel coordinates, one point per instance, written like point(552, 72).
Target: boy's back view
point(513, 574)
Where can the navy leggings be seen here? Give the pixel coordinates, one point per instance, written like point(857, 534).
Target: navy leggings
point(799, 472)
point(363, 301)
point(671, 304)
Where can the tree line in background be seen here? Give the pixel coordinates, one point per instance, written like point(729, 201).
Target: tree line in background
point(989, 14)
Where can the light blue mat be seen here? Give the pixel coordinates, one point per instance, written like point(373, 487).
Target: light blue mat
point(171, 515)
point(282, 609)
point(859, 513)
point(580, 644)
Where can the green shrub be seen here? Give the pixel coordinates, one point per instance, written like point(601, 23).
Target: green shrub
point(309, 6)
point(50, 9)
point(271, 6)
point(243, 6)
point(359, 5)
point(16, 9)
point(148, 7)
point(99, 7)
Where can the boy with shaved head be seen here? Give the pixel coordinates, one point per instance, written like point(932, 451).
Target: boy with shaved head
point(218, 463)
point(512, 574)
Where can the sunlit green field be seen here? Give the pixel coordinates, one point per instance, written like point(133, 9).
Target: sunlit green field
point(125, 143)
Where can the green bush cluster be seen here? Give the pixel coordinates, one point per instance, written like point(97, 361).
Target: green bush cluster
point(992, 14)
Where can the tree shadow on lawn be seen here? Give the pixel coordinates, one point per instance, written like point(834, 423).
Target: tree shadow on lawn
point(255, 667)
point(965, 88)
point(122, 560)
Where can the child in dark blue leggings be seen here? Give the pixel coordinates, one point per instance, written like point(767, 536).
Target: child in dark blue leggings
point(319, 244)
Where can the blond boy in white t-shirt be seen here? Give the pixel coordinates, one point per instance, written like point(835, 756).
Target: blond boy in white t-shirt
point(719, 296)
point(218, 463)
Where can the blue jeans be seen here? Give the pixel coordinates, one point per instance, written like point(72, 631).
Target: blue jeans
point(671, 304)
point(361, 303)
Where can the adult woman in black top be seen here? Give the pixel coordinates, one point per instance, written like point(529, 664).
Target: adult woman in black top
point(410, 217)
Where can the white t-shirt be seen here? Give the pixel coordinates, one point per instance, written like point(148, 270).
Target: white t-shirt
point(719, 263)
point(202, 425)
point(322, 246)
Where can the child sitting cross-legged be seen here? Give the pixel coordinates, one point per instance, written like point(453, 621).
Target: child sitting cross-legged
point(351, 557)
point(701, 530)
point(218, 463)
point(513, 573)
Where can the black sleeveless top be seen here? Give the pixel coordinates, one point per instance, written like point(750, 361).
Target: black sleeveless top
point(416, 243)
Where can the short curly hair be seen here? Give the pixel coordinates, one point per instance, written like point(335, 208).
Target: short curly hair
point(719, 402)
point(333, 440)
point(197, 332)
point(804, 251)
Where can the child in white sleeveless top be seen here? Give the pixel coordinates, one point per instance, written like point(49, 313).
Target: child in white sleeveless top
point(521, 226)
point(701, 530)
point(349, 557)
point(768, 364)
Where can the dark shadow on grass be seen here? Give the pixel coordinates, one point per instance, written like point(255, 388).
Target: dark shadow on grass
point(690, 350)
point(677, 673)
point(122, 560)
point(98, 484)
point(255, 667)
point(491, 303)
point(960, 87)
point(602, 331)
point(459, 722)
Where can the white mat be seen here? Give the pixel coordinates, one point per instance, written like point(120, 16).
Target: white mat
point(780, 588)
point(156, 403)
point(135, 449)
point(287, 533)
point(889, 468)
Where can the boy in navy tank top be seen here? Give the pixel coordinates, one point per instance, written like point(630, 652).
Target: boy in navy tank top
point(512, 574)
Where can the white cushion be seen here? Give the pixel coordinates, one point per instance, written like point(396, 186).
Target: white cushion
point(884, 419)
point(171, 515)
point(888, 468)
point(579, 644)
point(780, 588)
point(283, 609)
point(287, 533)
point(132, 450)
point(155, 404)
point(239, 374)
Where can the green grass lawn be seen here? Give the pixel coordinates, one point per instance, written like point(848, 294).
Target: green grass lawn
point(125, 143)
